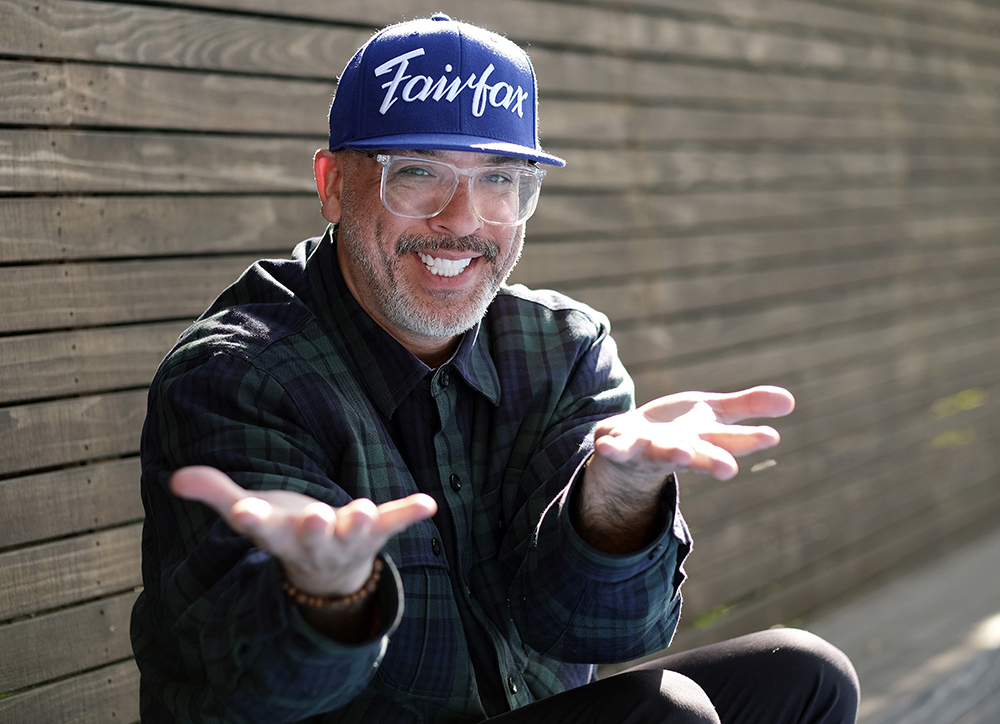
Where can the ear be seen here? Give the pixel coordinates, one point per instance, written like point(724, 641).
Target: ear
point(329, 184)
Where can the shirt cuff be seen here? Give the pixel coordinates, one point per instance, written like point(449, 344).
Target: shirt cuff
point(389, 595)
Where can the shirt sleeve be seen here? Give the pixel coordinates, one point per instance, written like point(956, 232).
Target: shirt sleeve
point(570, 601)
point(215, 636)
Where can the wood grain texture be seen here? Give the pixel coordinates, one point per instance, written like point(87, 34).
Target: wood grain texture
point(207, 40)
point(73, 430)
point(106, 694)
point(629, 30)
point(107, 163)
point(75, 500)
point(109, 227)
point(73, 162)
point(100, 293)
point(108, 96)
point(174, 38)
point(56, 574)
point(42, 366)
point(74, 639)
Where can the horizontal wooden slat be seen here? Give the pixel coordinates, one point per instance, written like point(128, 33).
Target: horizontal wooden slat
point(41, 229)
point(857, 20)
point(70, 501)
point(174, 37)
point(558, 214)
point(872, 304)
point(64, 572)
point(966, 17)
point(964, 14)
point(577, 263)
point(565, 73)
point(109, 227)
point(40, 366)
point(571, 120)
point(655, 296)
point(97, 697)
point(71, 295)
point(116, 162)
point(71, 162)
point(75, 639)
point(590, 215)
point(50, 434)
point(72, 94)
point(622, 31)
point(766, 363)
point(79, 30)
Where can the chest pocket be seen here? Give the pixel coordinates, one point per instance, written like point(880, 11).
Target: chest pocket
point(427, 655)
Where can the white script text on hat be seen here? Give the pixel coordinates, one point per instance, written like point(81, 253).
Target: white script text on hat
point(423, 87)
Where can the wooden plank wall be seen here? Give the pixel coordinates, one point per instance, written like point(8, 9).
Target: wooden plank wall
point(784, 191)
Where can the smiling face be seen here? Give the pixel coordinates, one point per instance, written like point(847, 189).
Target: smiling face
point(425, 281)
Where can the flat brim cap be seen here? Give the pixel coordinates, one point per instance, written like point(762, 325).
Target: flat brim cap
point(439, 84)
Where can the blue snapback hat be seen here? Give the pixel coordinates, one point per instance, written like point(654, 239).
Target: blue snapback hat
point(438, 84)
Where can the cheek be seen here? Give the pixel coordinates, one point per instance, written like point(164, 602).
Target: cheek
point(511, 250)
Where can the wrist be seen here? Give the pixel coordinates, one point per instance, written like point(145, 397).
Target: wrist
point(336, 602)
point(615, 513)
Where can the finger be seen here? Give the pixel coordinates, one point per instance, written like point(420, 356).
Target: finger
point(714, 460)
point(740, 440)
point(396, 515)
point(207, 485)
point(761, 401)
point(316, 524)
point(355, 519)
point(249, 515)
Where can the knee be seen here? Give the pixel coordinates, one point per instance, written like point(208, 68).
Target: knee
point(654, 696)
point(689, 701)
point(818, 665)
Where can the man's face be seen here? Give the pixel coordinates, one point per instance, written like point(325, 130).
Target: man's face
point(421, 278)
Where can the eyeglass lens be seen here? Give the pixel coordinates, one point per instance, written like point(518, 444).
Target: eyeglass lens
point(419, 188)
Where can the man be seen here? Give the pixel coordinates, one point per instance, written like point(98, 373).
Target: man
point(427, 496)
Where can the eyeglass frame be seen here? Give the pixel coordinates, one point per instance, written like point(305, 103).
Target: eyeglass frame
point(385, 159)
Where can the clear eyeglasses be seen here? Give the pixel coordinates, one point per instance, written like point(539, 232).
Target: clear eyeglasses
point(419, 188)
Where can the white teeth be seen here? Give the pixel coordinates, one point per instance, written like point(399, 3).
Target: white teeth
point(443, 267)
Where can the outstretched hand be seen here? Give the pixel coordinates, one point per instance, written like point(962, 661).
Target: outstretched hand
point(635, 451)
point(324, 551)
point(692, 431)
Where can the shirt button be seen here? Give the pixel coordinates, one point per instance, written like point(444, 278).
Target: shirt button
point(655, 552)
point(436, 546)
point(456, 482)
point(444, 378)
point(511, 684)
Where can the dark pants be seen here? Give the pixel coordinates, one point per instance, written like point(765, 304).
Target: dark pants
point(781, 676)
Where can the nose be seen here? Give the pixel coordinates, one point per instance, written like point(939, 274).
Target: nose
point(458, 218)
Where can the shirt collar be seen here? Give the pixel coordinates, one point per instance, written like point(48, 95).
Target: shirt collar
point(386, 369)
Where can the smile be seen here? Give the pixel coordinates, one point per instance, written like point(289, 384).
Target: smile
point(444, 267)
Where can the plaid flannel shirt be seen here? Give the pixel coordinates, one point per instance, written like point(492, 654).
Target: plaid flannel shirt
point(286, 382)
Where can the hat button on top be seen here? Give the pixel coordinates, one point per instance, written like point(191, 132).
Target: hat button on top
point(440, 16)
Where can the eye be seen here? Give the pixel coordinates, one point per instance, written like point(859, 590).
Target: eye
point(499, 178)
point(414, 171)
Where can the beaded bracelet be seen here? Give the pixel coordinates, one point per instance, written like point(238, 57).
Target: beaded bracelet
point(335, 602)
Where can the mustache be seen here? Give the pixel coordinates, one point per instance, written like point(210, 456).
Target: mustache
point(409, 244)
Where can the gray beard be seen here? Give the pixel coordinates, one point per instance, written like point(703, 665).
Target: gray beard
point(449, 320)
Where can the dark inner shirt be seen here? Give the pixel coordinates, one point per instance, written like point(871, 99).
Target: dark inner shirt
point(413, 426)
